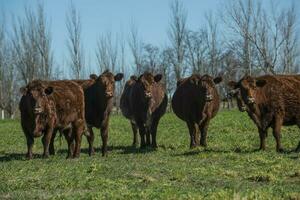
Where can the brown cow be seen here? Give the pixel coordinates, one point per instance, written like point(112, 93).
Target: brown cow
point(98, 93)
point(47, 106)
point(271, 101)
point(144, 102)
point(196, 101)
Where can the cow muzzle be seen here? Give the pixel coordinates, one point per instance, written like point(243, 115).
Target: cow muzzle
point(209, 97)
point(148, 95)
point(251, 100)
point(38, 110)
point(243, 109)
point(109, 94)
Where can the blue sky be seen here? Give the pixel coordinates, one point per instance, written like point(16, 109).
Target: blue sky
point(100, 16)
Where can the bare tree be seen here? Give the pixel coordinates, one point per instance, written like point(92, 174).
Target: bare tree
point(239, 17)
point(213, 45)
point(290, 53)
point(74, 43)
point(31, 43)
point(196, 50)
point(107, 52)
point(136, 48)
point(177, 34)
point(44, 41)
point(150, 58)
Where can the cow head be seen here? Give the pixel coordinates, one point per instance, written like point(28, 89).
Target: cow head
point(38, 94)
point(236, 93)
point(247, 87)
point(209, 83)
point(107, 82)
point(146, 81)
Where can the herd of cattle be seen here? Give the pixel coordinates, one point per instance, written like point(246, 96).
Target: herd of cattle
point(74, 107)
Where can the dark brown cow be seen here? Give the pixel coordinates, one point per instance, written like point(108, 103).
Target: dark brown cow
point(47, 106)
point(270, 101)
point(144, 102)
point(196, 101)
point(98, 93)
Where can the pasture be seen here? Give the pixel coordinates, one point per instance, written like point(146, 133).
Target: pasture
point(229, 168)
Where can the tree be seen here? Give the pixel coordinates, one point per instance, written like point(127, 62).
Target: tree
point(135, 46)
point(74, 44)
point(177, 34)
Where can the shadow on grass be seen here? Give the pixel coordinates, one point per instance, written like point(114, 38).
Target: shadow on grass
point(17, 156)
point(132, 149)
point(122, 148)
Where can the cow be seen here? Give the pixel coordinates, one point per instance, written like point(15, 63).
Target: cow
point(271, 101)
point(196, 101)
point(144, 102)
point(98, 94)
point(48, 106)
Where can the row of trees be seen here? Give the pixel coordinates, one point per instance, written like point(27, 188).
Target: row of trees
point(246, 38)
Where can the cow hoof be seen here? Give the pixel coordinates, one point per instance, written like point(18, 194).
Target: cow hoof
point(28, 157)
point(91, 152)
point(280, 150)
point(104, 154)
point(45, 156)
point(69, 157)
point(154, 146)
point(203, 144)
point(297, 150)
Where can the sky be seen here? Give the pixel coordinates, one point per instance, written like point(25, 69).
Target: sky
point(151, 17)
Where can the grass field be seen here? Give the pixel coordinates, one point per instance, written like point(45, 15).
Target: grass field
point(229, 168)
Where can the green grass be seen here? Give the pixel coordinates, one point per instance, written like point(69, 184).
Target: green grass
point(228, 168)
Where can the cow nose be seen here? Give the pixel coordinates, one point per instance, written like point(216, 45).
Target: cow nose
point(209, 97)
point(148, 94)
point(109, 94)
point(251, 100)
point(38, 110)
point(243, 109)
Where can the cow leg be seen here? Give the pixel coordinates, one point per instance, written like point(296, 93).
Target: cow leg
point(276, 133)
point(70, 138)
point(192, 130)
point(153, 132)
point(148, 136)
point(142, 131)
point(262, 137)
point(203, 130)
point(78, 130)
point(135, 132)
point(104, 137)
point(51, 146)
point(90, 138)
point(46, 141)
point(30, 142)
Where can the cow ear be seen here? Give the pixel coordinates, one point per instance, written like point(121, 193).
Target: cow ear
point(179, 82)
point(119, 77)
point(218, 80)
point(93, 76)
point(194, 81)
point(23, 90)
point(49, 90)
point(260, 83)
point(134, 78)
point(232, 84)
point(157, 77)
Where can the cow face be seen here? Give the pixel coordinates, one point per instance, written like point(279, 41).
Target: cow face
point(147, 80)
point(248, 86)
point(236, 93)
point(38, 94)
point(209, 83)
point(107, 81)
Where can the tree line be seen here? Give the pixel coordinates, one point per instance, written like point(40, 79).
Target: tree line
point(246, 37)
